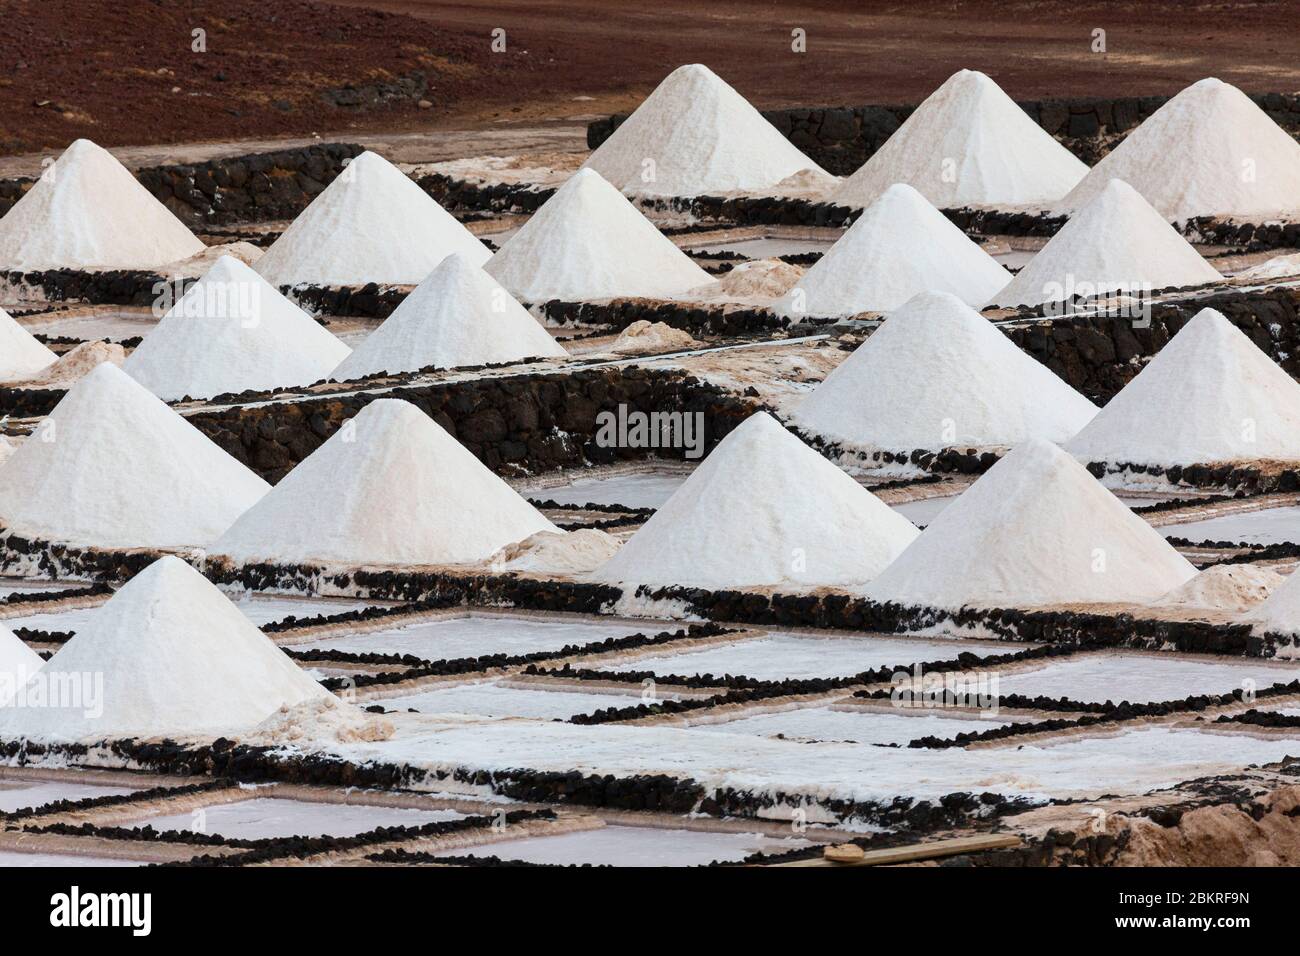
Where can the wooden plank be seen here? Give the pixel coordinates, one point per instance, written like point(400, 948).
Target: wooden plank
point(915, 852)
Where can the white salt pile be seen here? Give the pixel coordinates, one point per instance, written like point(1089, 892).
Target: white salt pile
point(78, 362)
point(588, 242)
point(371, 224)
point(1278, 267)
point(112, 466)
point(1115, 243)
point(18, 662)
point(198, 266)
point(175, 657)
point(643, 337)
point(388, 488)
point(1280, 614)
point(695, 135)
point(233, 331)
point(551, 552)
point(21, 356)
point(319, 718)
point(935, 375)
point(763, 509)
point(1209, 396)
point(88, 212)
point(898, 247)
point(757, 279)
point(968, 144)
point(1036, 529)
point(1209, 151)
point(457, 316)
point(1225, 587)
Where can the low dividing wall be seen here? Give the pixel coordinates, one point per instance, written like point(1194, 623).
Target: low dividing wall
point(842, 138)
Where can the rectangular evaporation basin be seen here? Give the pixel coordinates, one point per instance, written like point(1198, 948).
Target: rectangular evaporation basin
point(11, 859)
point(766, 247)
point(261, 609)
point(11, 586)
point(1142, 678)
point(826, 724)
point(634, 846)
point(777, 655)
point(71, 620)
point(476, 635)
point(261, 818)
point(492, 699)
point(18, 794)
point(115, 328)
point(631, 491)
point(1267, 526)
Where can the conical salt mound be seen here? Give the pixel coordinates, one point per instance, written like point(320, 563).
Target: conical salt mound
point(935, 375)
point(695, 135)
point(588, 242)
point(1036, 529)
point(371, 224)
point(233, 331)
point(18, 662)
point(389, 488)
point(899, 247)
point(88, 212)
point(968, 144)
point(114, 467)
point(1209, 151)
point(1280, 613)
point(175, 656)
point(457, 316)
point(21, 356)
point(1209, 396)
point(763, 509)
point(1116, 243)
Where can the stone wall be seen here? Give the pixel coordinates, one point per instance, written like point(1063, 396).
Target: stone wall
point(258, 187)
point(842, 138)
point(515, 425)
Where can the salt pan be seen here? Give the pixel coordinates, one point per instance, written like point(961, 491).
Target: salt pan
point(175, 657)
point(588, 242)
point(935, 375)
point(457, 316)
point(1209, 396)
point(112, 466)
point(763, 509)
point(694, 135)
point(1036, 529)
point(1116, 242)
point(389, 488)
point(371, 224)
point(1209, 151)
point(899, 247)
point(233, 331)
point(88, 212)
point(968, 144)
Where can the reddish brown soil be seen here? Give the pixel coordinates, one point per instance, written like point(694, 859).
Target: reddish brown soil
point(96, 64)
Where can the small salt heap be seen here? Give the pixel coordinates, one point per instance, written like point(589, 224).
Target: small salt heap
point(168, 655)
point(643, 337)
point(371, 224)
point(1115, 243)
point(114, 467)
point(588, 242)
point(1224, 587)
point(1209, 396)
point(968, 144)
point(21, 355)
point(88, 212)
point(763, 509)
point(18, 662)
point(232, 331)
point(558, 552)
point(1036, 529)
point(388, 488)
point(76, 363)
point(935, 375)
point(457, 316)
point(1209, 151)
point(899, 247)
point(695, 135)
point(1280, 614)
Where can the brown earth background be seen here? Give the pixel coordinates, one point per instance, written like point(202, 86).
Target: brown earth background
point(124, 72)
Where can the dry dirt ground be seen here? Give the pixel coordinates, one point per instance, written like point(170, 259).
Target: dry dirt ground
point(123, 72)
